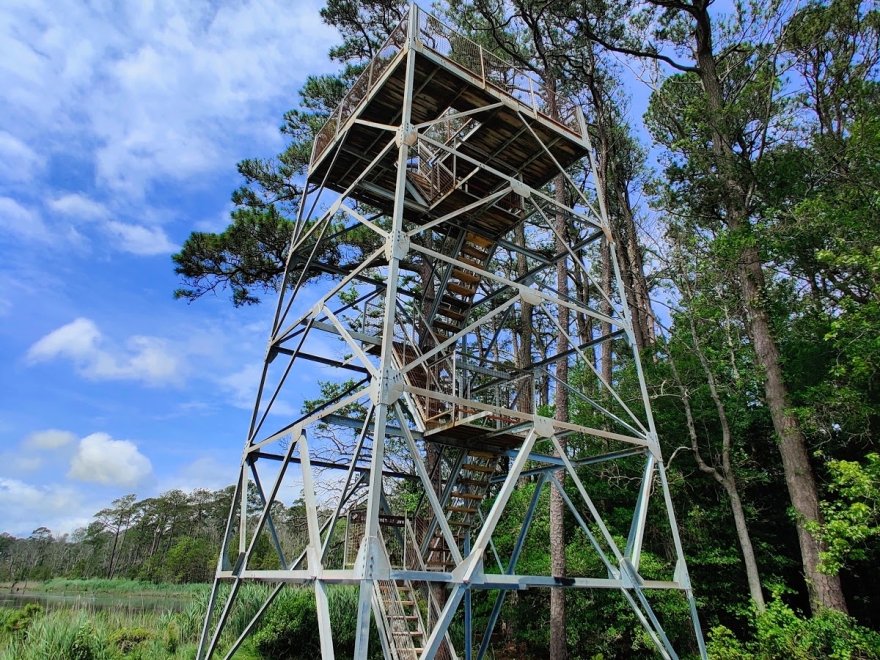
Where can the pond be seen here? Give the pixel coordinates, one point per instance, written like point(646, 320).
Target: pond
point(96, 601)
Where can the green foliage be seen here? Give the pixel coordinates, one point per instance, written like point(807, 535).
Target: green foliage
point(190, 560)
point(129, 639)
point(14, 621)
point(852, 519)
point(63, 635)
point(781, 634)
point(290, 627)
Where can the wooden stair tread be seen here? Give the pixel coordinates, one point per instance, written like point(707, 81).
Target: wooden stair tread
point(461, 289)
point(451, 313)
point(443, 325)
point(476, 467)
point(468, 496)
point(472, 482)
point(474, 251)
point(482, 241)
point(465, 276)
point(461, 509)
point(479, 453)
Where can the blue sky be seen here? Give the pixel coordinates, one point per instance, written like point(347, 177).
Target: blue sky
point(120, 128)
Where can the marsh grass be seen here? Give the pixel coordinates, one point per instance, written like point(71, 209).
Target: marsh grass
point(87, 632)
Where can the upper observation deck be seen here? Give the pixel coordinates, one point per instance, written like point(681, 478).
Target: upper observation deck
point(481, 123)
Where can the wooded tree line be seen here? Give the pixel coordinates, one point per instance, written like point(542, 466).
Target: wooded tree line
point(173, 537)
point(745, 203)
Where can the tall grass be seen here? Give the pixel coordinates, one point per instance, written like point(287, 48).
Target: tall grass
point(85, 632)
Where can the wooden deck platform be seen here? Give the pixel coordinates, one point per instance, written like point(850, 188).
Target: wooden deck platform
point(511, 138)
point(473, 437)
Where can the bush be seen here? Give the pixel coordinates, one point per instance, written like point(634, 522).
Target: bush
point(128, 639)
point(781, 633)
point(19, 620)
point(290, 627)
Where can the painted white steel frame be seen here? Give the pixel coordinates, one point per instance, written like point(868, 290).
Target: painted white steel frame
point(386, 393)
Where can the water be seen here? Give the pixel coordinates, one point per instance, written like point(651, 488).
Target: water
point(129, 602)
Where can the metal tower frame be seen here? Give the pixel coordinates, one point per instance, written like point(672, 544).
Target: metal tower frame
point(438, 153)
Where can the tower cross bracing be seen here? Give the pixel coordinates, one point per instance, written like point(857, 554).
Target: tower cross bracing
point(441, 165)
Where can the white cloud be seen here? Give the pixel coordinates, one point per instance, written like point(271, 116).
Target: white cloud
point(155, 90)
point(24, 506)
point(49, 439)
point(145, 359)
point(103, 460)
point(141, 240)
point(78, 206)
point(242, 385)
point(21, 221)
point(18, 162)
point(204, 472)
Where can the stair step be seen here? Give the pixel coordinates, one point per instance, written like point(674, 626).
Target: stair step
point(443, 325)
point(476, 467)
point(459, 523)
point(457, 314)
point(406, 617)
point(456, 303)
point(468, 496)
point(474, 251)
point(460, 509)
point(465, 276)
point(470, 261)
point(478, 453)
point(479, 483)
point(476, 239)
point(410, 633)
point(467, 292)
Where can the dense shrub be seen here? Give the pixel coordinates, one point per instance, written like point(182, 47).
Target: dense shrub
point(779, 633)
point(290, 627)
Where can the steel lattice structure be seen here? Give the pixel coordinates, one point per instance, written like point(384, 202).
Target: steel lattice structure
point(438, 161)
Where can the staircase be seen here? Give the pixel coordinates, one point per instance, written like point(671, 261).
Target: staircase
point(403, 606)
point(403, 626)
point(468, 488)
point(459, 284)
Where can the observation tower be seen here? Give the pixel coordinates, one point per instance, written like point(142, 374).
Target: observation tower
point(445, 166)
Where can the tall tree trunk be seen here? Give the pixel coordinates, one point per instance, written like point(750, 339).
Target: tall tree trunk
point(525, 394)
point(557, 504)
point(824, 590)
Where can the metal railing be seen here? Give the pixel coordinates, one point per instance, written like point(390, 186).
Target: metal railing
point(522, 85)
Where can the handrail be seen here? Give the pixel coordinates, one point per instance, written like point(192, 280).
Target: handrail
point(434, 607)
point(435, 36)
